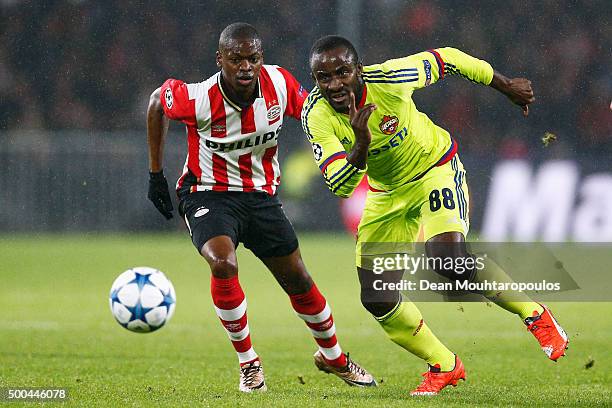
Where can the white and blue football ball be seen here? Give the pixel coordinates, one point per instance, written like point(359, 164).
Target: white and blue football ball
point(142, 299)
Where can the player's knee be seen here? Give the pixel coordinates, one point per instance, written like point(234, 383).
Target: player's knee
point(376, 306)
point(451, 261)
point(378, 300)
point(223, 267)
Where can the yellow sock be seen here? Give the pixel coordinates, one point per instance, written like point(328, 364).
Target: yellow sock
point(405, 326)
point(513, 301)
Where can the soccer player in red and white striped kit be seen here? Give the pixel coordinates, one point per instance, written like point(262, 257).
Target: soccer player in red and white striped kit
point(227, 192)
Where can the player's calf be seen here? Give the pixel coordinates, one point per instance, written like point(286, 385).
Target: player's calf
point(376, 298)
point(312, 307)
point(446, 246)
point(231, 308)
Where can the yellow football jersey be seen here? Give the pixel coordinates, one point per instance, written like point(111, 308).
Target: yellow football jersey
point(405, 142)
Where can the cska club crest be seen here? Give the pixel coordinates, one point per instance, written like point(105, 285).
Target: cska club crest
point(388, 124)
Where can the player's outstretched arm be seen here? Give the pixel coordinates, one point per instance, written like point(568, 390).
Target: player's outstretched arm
point(451, 61)
point(518, 90)
point(157, 127)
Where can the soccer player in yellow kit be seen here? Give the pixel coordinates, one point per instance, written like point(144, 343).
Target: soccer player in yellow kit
point(362, 120)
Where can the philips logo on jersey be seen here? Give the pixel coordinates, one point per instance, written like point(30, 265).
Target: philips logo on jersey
point(252, 141)
point(388, 124)
point(393, 142)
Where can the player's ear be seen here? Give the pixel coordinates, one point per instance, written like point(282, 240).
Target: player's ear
point(359, 68)
point(218, 59)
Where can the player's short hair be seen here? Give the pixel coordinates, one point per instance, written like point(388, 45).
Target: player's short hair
point(330, 42)
point(237, 31)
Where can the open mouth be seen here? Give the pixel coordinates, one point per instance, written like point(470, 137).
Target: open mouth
point(339, 97)
point(244, 81)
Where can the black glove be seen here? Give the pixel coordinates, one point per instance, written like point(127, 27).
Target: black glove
point(159, 195)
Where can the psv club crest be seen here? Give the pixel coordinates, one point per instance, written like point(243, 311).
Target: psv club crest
point(388, 124)
point(274, 111)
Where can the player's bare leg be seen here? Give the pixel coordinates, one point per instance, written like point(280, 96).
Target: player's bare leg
point(404, 325)
point(290, 272)
point(311, 306)
point(538, 318)
point(230, 305)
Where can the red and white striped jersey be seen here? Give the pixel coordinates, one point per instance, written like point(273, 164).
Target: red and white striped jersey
point(229, 148)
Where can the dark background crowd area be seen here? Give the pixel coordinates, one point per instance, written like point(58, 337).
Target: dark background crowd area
point(93, 64)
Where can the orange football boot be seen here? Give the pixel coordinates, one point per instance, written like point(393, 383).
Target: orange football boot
point(435, 379)
point(550, 334)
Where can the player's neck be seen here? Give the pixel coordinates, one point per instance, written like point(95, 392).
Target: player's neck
point(242, 99)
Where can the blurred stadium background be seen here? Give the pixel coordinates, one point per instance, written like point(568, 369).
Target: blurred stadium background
point(75, 77)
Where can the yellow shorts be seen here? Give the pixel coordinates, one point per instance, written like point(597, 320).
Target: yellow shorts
point(438, 202)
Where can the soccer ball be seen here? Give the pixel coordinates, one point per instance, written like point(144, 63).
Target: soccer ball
point(142, 299)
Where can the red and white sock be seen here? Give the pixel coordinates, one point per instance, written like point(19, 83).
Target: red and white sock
point(314, 310)
point(231, 306)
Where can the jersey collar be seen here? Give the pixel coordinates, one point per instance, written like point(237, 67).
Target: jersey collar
point(228, 100)
point(364, 93)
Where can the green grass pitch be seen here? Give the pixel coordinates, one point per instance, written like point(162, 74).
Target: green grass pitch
point(56, 330)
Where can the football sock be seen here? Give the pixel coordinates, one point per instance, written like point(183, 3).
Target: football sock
point(405, 326)
point(513, 301)
point(230, 305)
point(314, 310)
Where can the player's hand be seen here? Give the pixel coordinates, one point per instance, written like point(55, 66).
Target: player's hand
point(359, 120)
point(159, 194)
point(520, 92)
